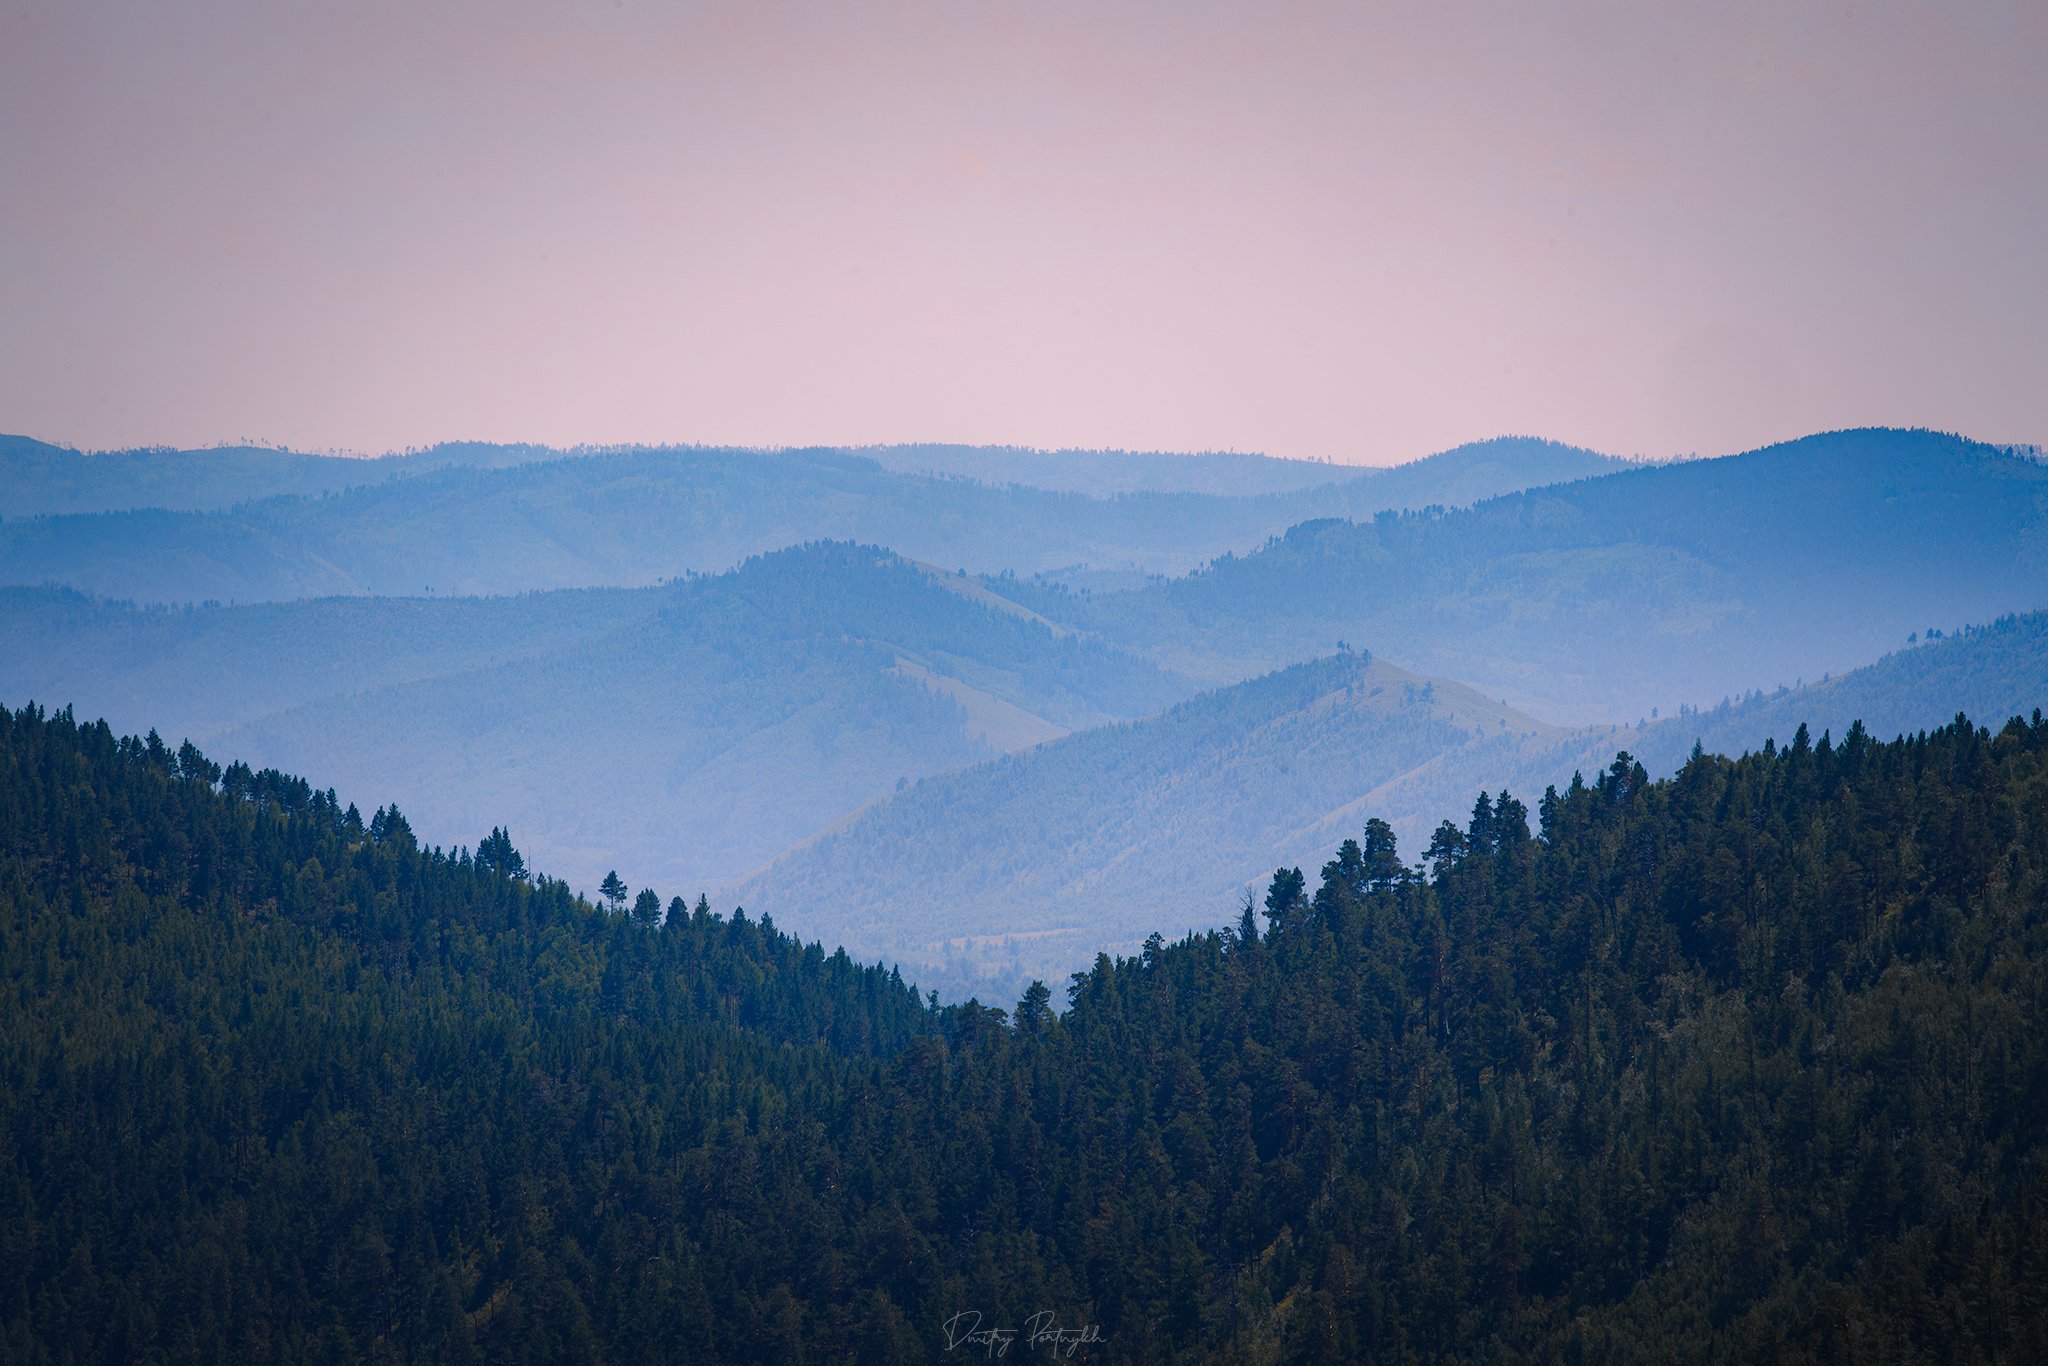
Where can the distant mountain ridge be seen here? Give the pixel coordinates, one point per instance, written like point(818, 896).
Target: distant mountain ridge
point(493, 521)
point(205, 669)
point(696, 729)
point(39, 478)
point(1599, 599)
point(1462, 474)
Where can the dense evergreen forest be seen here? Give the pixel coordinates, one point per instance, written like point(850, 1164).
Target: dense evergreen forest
point(1750, 1063)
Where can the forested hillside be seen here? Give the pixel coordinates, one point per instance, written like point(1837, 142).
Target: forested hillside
point(1997, 669)
point(494, 520)
point(1742, 1065)
point(1028, 865)
point(1598, 600)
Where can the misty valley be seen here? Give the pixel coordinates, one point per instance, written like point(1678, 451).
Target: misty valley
point(806, 683)
point(695, 904)
point(986, 774)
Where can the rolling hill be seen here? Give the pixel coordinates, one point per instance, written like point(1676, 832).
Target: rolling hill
point(703, 728)
point(1600, 599)
point(693, 730)
point(1463, 474)
point(1028, 865)
point(1998, 669)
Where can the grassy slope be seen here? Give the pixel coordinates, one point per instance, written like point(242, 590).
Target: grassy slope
point(1029, 864)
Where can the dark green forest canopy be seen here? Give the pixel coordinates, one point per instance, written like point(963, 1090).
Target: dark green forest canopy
point(1748, 1063)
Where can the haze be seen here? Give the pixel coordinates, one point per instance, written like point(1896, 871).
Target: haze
point(1311, 230)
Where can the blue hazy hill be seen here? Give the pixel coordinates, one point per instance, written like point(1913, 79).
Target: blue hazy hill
point(505, 520)
point(1599, 599)
point(690, 731)
point(1026, 866)
point(41, 479)
point(1463, 474)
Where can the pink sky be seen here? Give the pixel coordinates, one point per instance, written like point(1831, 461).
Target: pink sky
point(1344, 231)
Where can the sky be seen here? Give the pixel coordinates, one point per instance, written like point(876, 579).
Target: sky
point(1354, 232)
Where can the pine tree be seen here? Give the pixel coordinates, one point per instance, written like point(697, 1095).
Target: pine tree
point(1286, 899)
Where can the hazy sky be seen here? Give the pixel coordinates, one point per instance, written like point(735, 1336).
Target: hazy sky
point(1354, 231)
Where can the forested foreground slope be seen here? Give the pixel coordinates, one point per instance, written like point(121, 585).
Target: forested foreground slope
point(1751, 1063)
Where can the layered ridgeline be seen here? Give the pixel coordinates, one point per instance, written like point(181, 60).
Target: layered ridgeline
point(40, 479)
point(505, 520)
point(697, 732)
point(692, 731)
point(1025, 866)
point(700, 730)
point(1601, 599)
point(1028, 865)
point(1465, 474)
point(1741, 1065)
